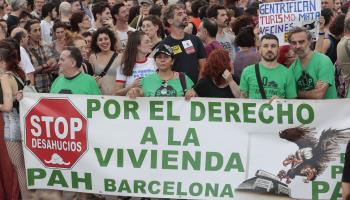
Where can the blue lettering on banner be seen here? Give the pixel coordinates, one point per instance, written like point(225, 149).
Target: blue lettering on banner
point(309, 16)
point(275, 29)
point(287, 7)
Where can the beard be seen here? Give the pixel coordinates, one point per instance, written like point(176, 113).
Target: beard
point(183, 25)
point(224, 25)
point(269, 57)
point(302, 54)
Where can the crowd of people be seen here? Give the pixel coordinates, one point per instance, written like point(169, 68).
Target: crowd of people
point(158, 48)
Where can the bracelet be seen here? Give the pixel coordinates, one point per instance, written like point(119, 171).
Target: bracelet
point(321, 33)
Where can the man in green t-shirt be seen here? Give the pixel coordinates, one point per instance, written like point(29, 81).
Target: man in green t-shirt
point(73, 81)
point(312, 71)
point(276, 80)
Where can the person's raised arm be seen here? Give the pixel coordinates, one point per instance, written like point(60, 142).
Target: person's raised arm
point(232, 84)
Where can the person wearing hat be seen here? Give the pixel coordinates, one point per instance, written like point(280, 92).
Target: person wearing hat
point(165, 82)
point(145, 7)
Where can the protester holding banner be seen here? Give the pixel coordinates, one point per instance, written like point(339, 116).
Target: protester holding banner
point(165, 82)
point(12, 80)
point(181, 62)
point(328, 15)
point(328, 43)
point(313, 71)
point(73, 81)
point(218, 81)
point(135, 64)
point(268, 79)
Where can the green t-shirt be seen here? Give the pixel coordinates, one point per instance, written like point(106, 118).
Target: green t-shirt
point(80, 84)
point(277, 81)
point(319, 68)
point(153, 86)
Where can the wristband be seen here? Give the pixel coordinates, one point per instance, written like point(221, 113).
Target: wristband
point(321, 33)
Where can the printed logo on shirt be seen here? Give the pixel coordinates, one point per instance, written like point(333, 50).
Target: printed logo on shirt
point(165, 91)
point(65, 91)
point(227, 46)
point(271, 88)
point(142, 73)
point(176, 49)
point(123, 44)
point(305, 82)
point(188, 46)
point(269, 84)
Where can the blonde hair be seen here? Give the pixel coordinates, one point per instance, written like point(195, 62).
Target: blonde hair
point(71, 37)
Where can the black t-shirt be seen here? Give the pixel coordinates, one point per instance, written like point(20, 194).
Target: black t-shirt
point(89, 69)
point(187, 51)
point(332, 50)
point(12, 21)
point(206, 88)
point(346, 170)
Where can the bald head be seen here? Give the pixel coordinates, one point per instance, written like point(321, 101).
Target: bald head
point(65, 8)
point(17, 30)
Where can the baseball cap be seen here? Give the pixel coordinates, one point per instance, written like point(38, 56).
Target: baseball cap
point(150, 2)
point(163, 48)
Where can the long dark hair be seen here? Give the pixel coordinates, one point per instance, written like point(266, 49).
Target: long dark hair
point(10, 53)
point(129, 57)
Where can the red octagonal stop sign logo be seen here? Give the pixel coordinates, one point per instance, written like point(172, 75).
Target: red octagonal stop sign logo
point(56, 132)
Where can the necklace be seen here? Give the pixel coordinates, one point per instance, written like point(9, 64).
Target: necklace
point(164, 85)
point(167, 79)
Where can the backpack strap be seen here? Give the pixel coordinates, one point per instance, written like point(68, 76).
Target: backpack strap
point(19, 81)
point(104, 72)
point(183, 82)
point(260, 83)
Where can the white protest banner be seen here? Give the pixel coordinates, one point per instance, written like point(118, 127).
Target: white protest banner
point(279, 17)
point(170, 148)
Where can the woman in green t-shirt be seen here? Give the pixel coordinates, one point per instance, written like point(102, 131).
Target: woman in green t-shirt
point(165, 82)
